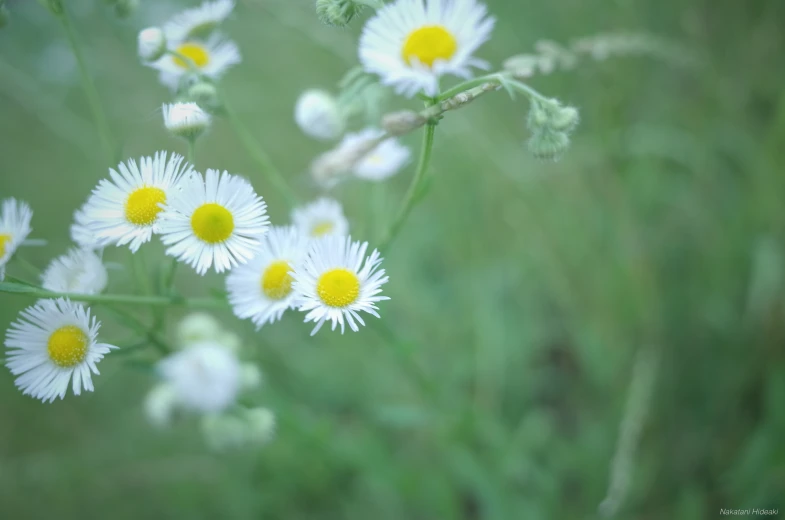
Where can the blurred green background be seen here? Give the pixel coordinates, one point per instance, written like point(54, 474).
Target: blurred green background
point(522, 291)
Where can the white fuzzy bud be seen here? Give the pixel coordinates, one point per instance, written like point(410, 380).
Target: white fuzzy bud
point(337, 13)
point(548, 144)
point(186, 120)
point(318, 115)
point(198, 327)
point(151, 44)
point(204, 94)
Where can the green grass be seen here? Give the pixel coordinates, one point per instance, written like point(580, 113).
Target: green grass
point(495, 383)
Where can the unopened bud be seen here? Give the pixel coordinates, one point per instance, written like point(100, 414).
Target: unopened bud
point(337, 13)
point(151, 44)
point(204, 94)
point(197, 327)
point(261, 425)
point(186, 120)
point(250, 376)
point(548, 144)
point(565, 119)
point(318, 115)
point(403, 122)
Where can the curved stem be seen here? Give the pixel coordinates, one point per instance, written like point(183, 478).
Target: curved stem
point(413, 192)
point(93, 100)
point(192, 152)
point(258, 154)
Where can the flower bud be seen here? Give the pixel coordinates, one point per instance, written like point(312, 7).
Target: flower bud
point(224, 432)
point(548, 144)
point(250, 376)
point(318, 115)
point(204, 94)
point(337, 13)
point(186, 120)
point(151, 44)
point(565, 119)
point(197, 327)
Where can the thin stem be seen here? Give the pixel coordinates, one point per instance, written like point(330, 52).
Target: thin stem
point(99, 117)
point(258, 154)
point(167, 280)
point(29, 268)
point(139, 267)
point(192, 151)
point(132, 322)
point(412, 195)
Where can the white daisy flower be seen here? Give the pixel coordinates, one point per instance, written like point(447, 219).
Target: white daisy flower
point(205, 377)
point(186, 120)
point(15, 219)
point(198, 22)
point(80, 271)
point(318, 115)
point(51, 342)
point(211, 58)
point(81, 233)
point(410, 44)
point(262, 289)
point(321, 218)
point(382, 162)
point(126, 209)
point(215, 221)
point(337, 281)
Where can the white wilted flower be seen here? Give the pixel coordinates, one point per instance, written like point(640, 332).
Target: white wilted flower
point(186, 120)
point(214, 221)
point(198, 22)
point(15, 217)
point(211, 58)
point(79, 271)
point(205, 377)
point(52, 343)
point(151, 44)
point(318, 115)
point(410, 44)
point(337, 282)
point(320, 218)
point(127, 208)
point(382, 161)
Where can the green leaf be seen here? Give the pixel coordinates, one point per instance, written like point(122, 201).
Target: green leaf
point(12, 287)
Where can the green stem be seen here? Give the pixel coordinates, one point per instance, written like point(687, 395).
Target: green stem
point(125, 299)
point(258, 154)
point(139, 267)
point(192, 151)
point(167, 280)
point(412, 194)
point(132, 322)
point(498, 78)
point(93, 100)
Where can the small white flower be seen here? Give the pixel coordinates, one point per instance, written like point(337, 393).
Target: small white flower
point(321, 218)
point(80, 271)
point(81, 233)
point(151, 44)
point(211, 58)
point(186, 120)
point(198, 22)
point(126, 209)
point(261, 290)
point(216, 221)
point(337, 282)
point(410, 44)
point(205, 377)
point(51, 342)
point(318, 115)
point(382, 162)
point(15, 217)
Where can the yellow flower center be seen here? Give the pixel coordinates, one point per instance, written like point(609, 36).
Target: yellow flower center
point(428, 44)
point(212, 223)
point(143, 205)
point(338, 288)
point(67, 346)
point(194, 52)
point(4, 239)
point(322, 228)
point(276, 280)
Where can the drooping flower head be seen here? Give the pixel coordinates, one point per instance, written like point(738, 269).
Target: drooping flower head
point(337, 282)
point(410, 44)
point(214, 221)
point(80, 271)
point(262, 289)
point(51, 343)
point(127, 208)
point(15, 217)
point(186, 120)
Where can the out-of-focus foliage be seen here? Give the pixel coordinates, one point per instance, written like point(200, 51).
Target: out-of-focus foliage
point(521, 290)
